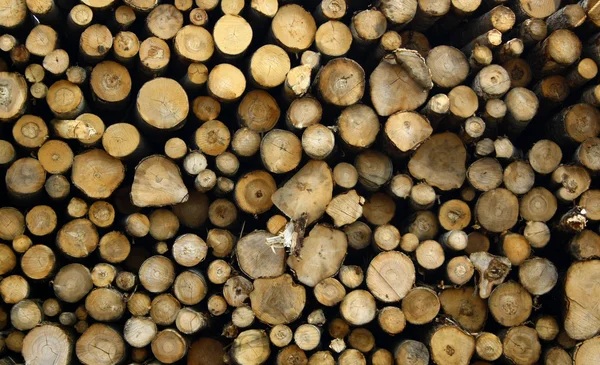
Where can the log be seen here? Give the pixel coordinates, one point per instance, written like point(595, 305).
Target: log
point(51, 337)
point(100, 344)
point(277, 300)
point(157, 182)
point(526, 337)
point(410, 70)
point(358, 307)
point(449, 344)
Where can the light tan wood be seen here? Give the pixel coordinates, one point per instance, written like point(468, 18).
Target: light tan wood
point(452, 301)
point(510, 304)
point(278, 300)
point(251, 347)
point(385, 95)
point(293, 35)
point(358, 307)
point(154, 55)
point(48, 336)
point(383, 272)
point(344, 93)
point(527, 337)
point(169, 346)
point(445, 174)
point(232, 35)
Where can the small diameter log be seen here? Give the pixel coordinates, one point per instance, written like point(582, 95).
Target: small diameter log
point(195, 77)
point(405, 131)
point(436, 109)
point(510, 50)
point(463, 103)
point(123, 141)
point(257, 259)
point(318, 141)
point(97, 174)
point(538, 275)
point(510, 304)
point(111, 85)
point(293, 28)
point(164, 21)
point(521, 105)
point(423, 224)
point(515, 247)
point(396, 13)
point(500, 18)
point(56, 62)
point(411, 350)
point(258, 111)
point(14, 289)
point(307, 337)
point(453, 302)
point(381, 273)
point(415, 85)
point(358, 126)
point(488, 346)
point(490, 39)
point(451, 345)
point(95, 43)
point(50, 337)
point(358, 307)
point(38, 262)
point(430, 255)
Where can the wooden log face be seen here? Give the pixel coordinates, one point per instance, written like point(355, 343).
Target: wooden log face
point(278, 300)
point(321, 255)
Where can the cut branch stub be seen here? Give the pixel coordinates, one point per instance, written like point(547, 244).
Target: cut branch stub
point(309, 191)
point(157, 183)
point(440, 161)
point(492, 271)
point(278, 300)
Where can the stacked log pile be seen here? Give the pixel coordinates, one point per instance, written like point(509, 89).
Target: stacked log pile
point(313, 182)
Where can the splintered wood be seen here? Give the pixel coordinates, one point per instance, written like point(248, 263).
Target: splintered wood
point(315, 182)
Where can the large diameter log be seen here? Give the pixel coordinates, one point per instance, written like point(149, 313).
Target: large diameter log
point(251, 347)
point(581, 300)
point(320, 256)
point(497, 210)
point(451, 345)
point(278, 300)
point(100, 344)
point(341, 82)
point(453, 302)
point(293, 28)
point(390, 276)
point(440, 161)
point(401, 83)
point(13, 95)
point(48, 344)
point(157, 182)
point(307, 192)
point(257, 259)
point(162, 104)
point(97, 174)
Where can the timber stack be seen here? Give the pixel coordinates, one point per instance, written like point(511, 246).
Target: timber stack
point(310, 182)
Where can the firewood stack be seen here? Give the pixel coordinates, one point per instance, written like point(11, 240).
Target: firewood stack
point(299, 182)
